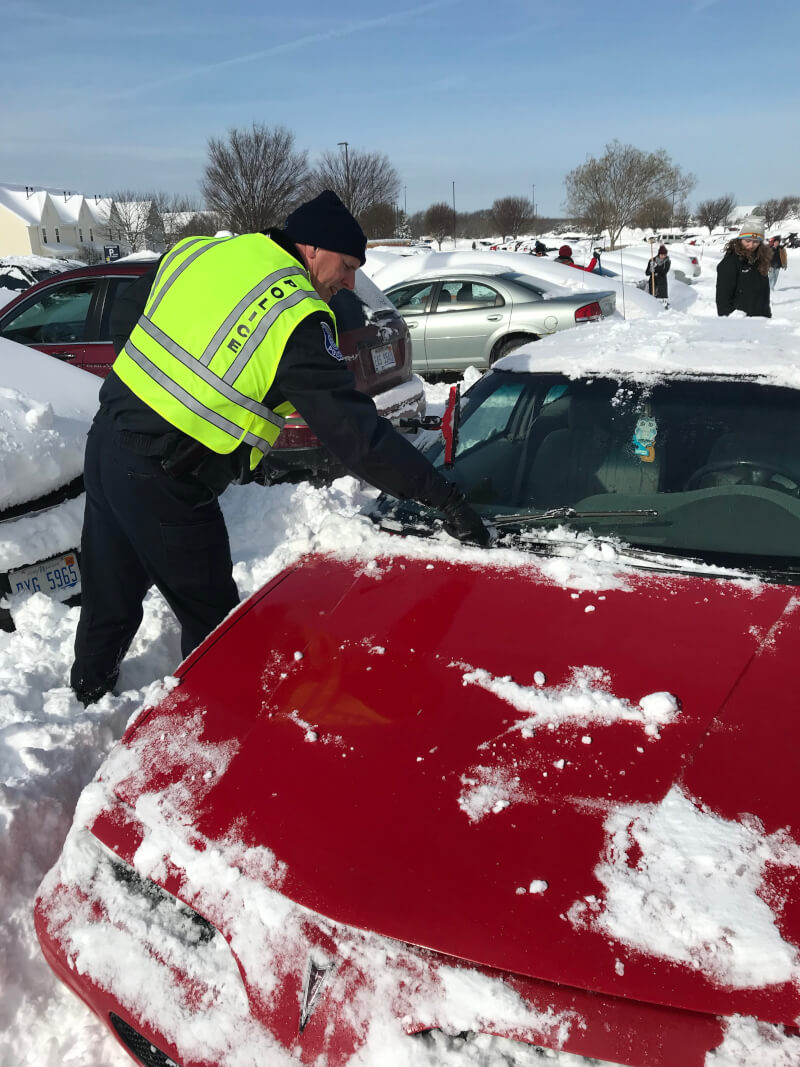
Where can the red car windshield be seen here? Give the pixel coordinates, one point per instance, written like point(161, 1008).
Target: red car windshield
point(708, 468)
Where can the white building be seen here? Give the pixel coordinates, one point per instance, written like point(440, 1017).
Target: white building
point(65, 225)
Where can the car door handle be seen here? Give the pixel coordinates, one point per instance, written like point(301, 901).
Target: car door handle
point(63, 355)
point(494, 318)
point(411, 325)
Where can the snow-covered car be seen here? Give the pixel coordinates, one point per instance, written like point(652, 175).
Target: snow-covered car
point(45, 412)
point(21, 272)
point(466, 317)
point(70, 318)
point(633, 259)
point(542, 793)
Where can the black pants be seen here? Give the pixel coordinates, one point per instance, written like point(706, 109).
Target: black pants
point(141, 528)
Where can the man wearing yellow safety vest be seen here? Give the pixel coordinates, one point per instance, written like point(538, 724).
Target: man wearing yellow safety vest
point(235, 333)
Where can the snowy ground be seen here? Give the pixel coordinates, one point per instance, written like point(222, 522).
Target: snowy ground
point(50, 746)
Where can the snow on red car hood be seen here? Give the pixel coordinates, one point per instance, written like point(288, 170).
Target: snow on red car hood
point(468, 759)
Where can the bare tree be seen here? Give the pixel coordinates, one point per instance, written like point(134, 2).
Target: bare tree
point(177, 212)
point(474, 223)
point(196, 224)
point(416, 223)
point(510, 215)
point(254, 177)
point(133, 221)
point(608, 193)
point(359, 179)
point(379, 220)
point(655, 214)
point(777, 209)
point(713, 213)
point(682, 216)
point(439, 221)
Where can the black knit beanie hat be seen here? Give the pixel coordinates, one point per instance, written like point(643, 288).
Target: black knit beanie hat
point(326, 223)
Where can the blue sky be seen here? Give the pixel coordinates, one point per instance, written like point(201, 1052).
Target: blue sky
point(498, 98)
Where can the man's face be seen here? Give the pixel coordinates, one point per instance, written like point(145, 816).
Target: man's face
point(331, 271)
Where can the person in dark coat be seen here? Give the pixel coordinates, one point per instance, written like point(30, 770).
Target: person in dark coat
point(540, 249)
point(152, 515)
point(743, 273)
point(657, 270)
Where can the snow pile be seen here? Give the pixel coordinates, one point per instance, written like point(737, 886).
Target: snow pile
point(691, 891)
point(45, 411)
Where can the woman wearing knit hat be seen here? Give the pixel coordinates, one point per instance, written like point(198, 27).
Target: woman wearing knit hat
point(656, 271)
point(743, 272)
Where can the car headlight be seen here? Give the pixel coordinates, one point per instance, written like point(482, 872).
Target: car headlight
point(148, 901)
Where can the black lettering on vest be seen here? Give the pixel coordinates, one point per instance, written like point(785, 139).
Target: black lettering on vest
point(263, 303)
point(277, 292)
point(234, 345)
point(243, 331)
point(288, 281)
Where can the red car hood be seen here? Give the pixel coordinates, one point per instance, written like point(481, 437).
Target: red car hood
point(371, 704)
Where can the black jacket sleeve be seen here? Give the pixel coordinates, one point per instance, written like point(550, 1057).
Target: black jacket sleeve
point(323, 391)
point(727, 280)
point(128, 306)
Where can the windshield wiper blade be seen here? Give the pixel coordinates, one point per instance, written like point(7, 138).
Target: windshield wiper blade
point(556, 514)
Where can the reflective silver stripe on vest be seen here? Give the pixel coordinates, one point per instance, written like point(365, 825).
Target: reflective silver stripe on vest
point(235, 315)
point(208, 376)
point(194, 404)
point(257, 336)
point(207, 246)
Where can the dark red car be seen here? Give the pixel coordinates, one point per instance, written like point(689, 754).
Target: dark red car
point(68, 316)
point(542, 793)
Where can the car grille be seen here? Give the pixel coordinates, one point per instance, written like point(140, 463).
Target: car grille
point(144, 1051)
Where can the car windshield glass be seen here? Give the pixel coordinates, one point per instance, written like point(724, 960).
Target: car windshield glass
point(709, 468)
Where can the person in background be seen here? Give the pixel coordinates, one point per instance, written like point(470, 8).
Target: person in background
point(657, 270)
point(742, 273)
point(540, 249)
point(222, 343)
point(778, 261)
point(565, 256)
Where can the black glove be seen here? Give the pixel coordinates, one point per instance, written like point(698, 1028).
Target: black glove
point(461, 521)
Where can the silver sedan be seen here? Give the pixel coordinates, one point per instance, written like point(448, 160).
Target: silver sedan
point(459, 320)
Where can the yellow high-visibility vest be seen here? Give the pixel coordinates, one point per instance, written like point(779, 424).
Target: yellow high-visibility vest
point(206, 350)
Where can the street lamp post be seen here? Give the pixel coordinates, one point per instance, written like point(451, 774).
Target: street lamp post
point(454, 215)
point(346, 145)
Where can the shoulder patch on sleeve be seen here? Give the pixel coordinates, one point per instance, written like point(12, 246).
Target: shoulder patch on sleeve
point(330, 344)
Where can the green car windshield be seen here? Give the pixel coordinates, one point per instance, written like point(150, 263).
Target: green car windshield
point(708, 468)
